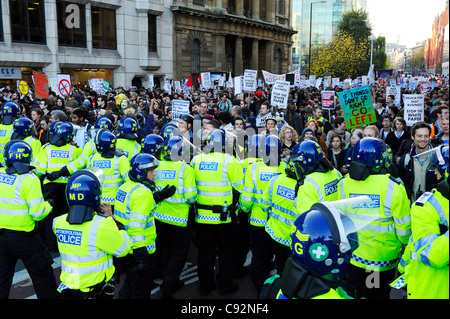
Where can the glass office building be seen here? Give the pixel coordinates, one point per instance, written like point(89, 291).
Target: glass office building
point(324, 19)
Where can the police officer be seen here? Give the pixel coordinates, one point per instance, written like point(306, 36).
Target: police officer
point(88, 238)
point(54, 157)
point(102, 124)
point(127, 137)
point(389, 197)
point(10, 112)
point(112, 162)
point(316, 176)
point(172, 213)
point(21, 206)
point(216, 175)
point(427, 273)
point(252, 153)
point(152, 144)
point(257, 177)
point(322, 242)
point(24, 129)
point(135, 208)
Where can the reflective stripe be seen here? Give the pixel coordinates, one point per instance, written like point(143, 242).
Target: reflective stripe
point(388, 198)
point(426, 242)
point(439, 209)
point(317, 188)
point(211, 193)
point(214, 184)
point(372, 263)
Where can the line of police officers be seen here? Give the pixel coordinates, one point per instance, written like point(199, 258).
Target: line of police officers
point(118, 202)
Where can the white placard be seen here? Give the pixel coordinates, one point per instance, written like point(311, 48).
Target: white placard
point(395, 91)
point(414, 108)
point(237, 85)
point(250, 82)
point(206, 80)
point(64, 86)
point(179, 107)
point(280, 94)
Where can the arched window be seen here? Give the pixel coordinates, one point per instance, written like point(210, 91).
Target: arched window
point(195, 57)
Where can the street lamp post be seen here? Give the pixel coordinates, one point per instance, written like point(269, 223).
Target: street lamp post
point(310, 29)
point(372, 38)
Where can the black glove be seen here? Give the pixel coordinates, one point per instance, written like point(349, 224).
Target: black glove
point(55, 175)
point(166, 192)
point(140, 259)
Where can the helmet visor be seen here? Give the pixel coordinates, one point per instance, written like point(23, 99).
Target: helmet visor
point(363, 218)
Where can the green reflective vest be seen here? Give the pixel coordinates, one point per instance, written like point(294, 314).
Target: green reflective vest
point(278, 198)
point(83, 160)
point(87, 251)
point(175, 209)
point(216, 175)
point(381, 240)
point(427, 275)
point(134, 207)
point(5, 136)
point(129, 147)
point(21, 201)
point(317, 187)
point(115, 170)
point(257, 177)
point(52, 158)
point(35, 145)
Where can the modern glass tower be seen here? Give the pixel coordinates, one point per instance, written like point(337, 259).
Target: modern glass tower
point(316, 26)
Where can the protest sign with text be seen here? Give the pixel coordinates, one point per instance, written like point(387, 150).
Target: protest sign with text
point(357, 106)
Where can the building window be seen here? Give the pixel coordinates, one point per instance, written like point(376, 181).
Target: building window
point(200, 3)
point(152, 45)
point(104, 28)
point(278, 61)
point(1, 23)
point(281, 7)
point(27, 21)
point(71, 24)
point(195, 57)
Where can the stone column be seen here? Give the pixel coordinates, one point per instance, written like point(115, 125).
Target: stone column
point(238, 57)
point(254, 58)
point(255, 10)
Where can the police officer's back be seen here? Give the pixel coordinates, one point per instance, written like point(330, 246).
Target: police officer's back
point(88, 238)
point(21, 206)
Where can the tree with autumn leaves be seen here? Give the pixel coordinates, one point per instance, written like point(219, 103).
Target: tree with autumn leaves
point(348, 54)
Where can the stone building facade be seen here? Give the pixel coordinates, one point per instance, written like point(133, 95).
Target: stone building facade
point(230, 36)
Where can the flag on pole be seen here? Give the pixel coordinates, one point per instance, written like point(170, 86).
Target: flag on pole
point(189, 82)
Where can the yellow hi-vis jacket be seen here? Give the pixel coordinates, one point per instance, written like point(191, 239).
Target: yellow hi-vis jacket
point(257, 177)
point(390, 231)
point(83, 160)
point(427, 275)
point(135, 209)
point(5, 136)
point(216, 175)
point(129, 147)
point(115, 170)
point(52, 158)
point(21, 201)
point(317, 187)
point(278, 198)
point(35, 145)
point(175, 209)
point(87, 251)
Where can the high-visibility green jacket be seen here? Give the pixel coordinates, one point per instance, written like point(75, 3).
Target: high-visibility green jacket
point(129, 147)
point(278, 198)
point(257, 177)
point(87, 251)
point(135, 208)
point(35, 145)
point(427, 275)
point(52, 158)
point(115, 170)
point(317, 187)
point(175, 209)
point(21, 201)
point(5, 136)
point(216, 175)
point(382, 240)
point(83, 160)
point(245, 163)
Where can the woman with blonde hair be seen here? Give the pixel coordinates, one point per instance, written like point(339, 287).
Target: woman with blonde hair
point(288, 137)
